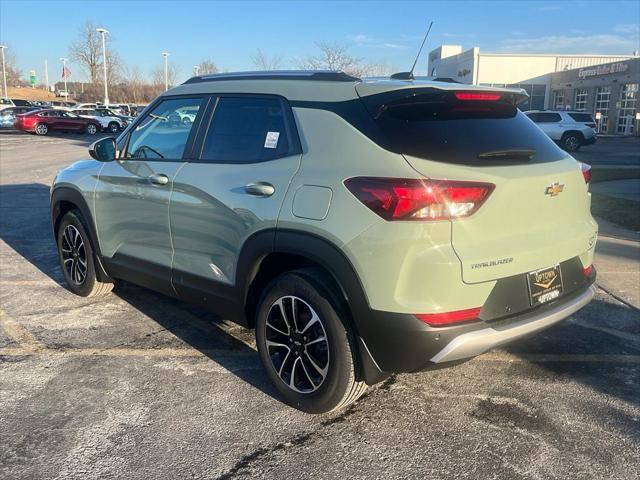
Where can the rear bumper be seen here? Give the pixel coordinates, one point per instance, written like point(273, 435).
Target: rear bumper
point(402, 343)
point(477, 342)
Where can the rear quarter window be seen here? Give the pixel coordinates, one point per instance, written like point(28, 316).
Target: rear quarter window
point(582, 117)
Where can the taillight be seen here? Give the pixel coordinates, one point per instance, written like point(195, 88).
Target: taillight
point(415, 199)
point(587, 271)
point(448, 318)
point(487, 97)
point(586, 172)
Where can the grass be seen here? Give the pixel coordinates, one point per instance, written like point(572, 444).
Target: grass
point(621, 211)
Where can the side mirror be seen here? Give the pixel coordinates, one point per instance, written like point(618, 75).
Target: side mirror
point(103, 150)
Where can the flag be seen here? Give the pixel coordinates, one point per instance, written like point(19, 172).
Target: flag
point(66, 73)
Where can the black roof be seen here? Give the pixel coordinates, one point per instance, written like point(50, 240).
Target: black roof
point(313, 75)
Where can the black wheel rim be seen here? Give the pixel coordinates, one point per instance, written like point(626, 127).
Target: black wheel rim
point(297, 344)
point(74, 255)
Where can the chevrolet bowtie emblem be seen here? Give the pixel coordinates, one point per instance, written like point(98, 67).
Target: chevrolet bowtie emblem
point(554, 189)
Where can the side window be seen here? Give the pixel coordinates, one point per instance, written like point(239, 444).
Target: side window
point(533, 117)
point(248, 130)
point(548, 117)
point(162, 133)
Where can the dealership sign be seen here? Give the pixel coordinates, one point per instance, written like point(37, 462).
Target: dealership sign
point(603, 70)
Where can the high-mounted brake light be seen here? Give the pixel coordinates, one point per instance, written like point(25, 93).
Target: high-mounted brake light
point(416, 199)
point(487, 97)
point(448, 318)
point(586, 172)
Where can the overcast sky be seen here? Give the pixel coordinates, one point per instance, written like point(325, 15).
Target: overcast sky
point(378, 32)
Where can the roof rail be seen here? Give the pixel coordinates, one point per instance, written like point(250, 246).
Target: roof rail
point(313, 75)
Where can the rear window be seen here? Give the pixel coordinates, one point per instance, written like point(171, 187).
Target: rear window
point(582, 117)
point(442, 126)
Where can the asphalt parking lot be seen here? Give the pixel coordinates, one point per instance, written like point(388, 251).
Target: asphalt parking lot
point(137, 385)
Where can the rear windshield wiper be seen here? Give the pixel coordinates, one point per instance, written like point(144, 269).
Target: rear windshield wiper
point(518, 153)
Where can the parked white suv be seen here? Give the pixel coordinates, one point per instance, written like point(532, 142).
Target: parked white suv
point(567, 129)
point(108, 120)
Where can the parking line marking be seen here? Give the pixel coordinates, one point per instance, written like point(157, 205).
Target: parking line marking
point(19, 333)
point(122, 352)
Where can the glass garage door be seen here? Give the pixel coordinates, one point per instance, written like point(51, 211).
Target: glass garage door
point(627, 112)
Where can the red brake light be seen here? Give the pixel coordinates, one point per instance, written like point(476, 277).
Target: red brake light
point(586, 172)
point(448, 318)
point(415, 199)
point(478, 96)
point(587, 271)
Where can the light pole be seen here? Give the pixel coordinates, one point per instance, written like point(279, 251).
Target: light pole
point(4, 73)
point(196, 69)
point(103, 32)
point(166, 71)
point(64, 77)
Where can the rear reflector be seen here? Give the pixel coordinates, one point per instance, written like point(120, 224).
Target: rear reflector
point(416, 199)
point(487, 97)
point(448, 318)
point(587, 271)
point(586, 172)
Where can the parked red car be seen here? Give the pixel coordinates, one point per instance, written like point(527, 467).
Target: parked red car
point(41, 122)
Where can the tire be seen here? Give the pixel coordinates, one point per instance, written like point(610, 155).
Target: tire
point(91, 129)
point(41, 129)
point(113, 127)
point(74, 249)
point(571, 142)
point(297, 356)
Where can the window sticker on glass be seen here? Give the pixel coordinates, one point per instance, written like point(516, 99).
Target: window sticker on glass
point(272, 140)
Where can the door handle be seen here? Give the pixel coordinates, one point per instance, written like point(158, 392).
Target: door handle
point(158, 179)
point(260, 189)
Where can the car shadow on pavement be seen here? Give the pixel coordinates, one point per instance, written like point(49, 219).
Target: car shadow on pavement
point(25, 226)
point(604, 340)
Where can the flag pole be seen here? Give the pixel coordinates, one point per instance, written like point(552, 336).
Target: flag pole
point(64, 76)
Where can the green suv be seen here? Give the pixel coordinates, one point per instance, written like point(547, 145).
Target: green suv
point(362, 227)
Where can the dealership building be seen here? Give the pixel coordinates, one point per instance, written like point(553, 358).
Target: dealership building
point(604, 84)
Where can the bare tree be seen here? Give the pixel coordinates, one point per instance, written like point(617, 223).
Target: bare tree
point(264, 62)
point(333, 57)
point(14, 76)
point(157, 76)
point(87, 50)
point(207, 67)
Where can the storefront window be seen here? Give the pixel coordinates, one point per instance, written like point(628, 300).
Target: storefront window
point(580, 101)
point(603, 95)
point(558, 100)
point(627, 112)
point(536, 96)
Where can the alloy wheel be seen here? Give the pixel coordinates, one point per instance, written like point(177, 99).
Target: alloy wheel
point(114, 127)
point(42, 129)
point(572, 143)
point(91, 129)
point(74, 255)
point(297, 344)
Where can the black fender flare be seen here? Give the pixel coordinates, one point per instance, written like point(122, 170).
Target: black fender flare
point(62, 194)
point(327, 255)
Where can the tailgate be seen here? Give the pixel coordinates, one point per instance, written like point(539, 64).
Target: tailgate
point(537, 216)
